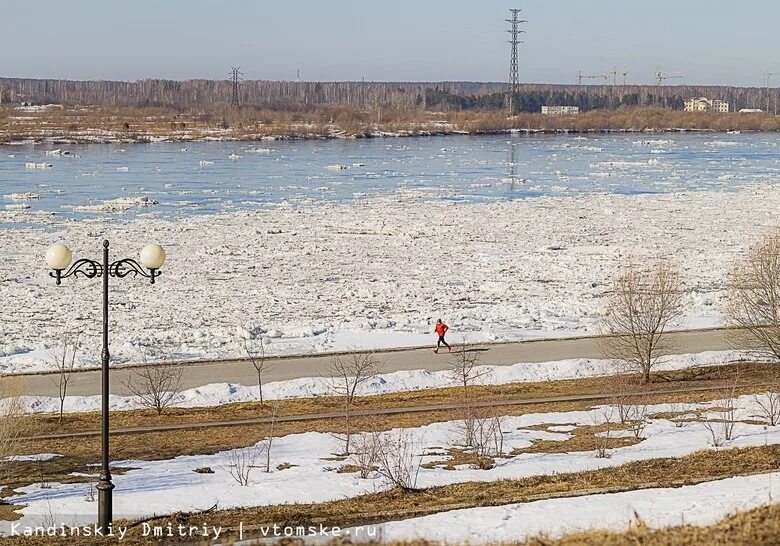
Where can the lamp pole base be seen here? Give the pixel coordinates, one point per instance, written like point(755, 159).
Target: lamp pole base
point(105, 503)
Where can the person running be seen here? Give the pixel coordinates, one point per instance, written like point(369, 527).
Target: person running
point(441, 329)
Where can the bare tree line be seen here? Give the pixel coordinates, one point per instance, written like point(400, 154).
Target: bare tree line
point(200, 93)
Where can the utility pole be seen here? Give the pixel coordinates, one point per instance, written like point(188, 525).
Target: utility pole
point(235, 78)
point(767, 80)
point(514, 80)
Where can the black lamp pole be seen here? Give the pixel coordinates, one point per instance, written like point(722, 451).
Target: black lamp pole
point(91, 269)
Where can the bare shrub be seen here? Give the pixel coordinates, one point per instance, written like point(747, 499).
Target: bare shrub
point(679, 411)
point(642, 304)
point(397, 461)
point(90, 492)
point(488, 440)
point(623, 385)
point(480, 432)
point(14, 424)
point(463, 368)
point(348, 373)
point(155, 385)
point(637, 419)
point(603, 439)
point(242, 461)
point(753, 299)
point(255, 353)
point(63, 359)
point(769, 407)
point(365, 453)
point(721, 429)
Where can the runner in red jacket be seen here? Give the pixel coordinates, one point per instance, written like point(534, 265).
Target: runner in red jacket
point(441, 329)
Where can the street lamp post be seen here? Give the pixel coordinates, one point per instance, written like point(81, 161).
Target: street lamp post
point(58, 258)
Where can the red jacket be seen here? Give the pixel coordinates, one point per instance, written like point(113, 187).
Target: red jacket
point(441, 328)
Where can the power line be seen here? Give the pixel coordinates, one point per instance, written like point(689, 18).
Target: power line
point(514, 80)
point(235, 78)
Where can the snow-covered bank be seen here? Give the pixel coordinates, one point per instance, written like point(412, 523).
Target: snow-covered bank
point(369, 272)
point(701, 504)
point(159, 487)
point(218, 394)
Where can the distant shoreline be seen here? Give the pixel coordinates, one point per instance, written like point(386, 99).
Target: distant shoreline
point(55, 124)
point(90, 139)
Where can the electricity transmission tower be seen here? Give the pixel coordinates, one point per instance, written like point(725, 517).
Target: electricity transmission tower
point(514, 81)
point(235, 78)
point(767, 80)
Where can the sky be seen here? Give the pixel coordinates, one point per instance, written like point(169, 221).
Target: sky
point(706, 42)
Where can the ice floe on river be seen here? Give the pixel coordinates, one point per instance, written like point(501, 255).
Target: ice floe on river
point(371, 272)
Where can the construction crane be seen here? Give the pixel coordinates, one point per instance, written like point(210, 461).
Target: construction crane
point(581, 76)
point(661, 76)
point(614, 75)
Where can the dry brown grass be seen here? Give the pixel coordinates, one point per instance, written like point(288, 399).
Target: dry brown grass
point(583, 438)
point(760, 526)
point(78, 452)
point(144, 124)
point(396, 504)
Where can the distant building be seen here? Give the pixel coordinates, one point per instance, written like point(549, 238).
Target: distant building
point(751, 111)
point(703, 104)
point(560, 110)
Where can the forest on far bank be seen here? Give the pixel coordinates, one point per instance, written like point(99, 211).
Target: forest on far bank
point(439, 96)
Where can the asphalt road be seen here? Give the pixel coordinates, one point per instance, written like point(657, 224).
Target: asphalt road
point(241, 372)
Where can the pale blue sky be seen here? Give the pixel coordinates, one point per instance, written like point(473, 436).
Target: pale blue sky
point(707, 41)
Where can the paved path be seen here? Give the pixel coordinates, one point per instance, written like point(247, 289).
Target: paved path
point(284, 368)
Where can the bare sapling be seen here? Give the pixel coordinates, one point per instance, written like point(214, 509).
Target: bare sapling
point(753, 299)
point(464, 366)
point(397, 461)
point(464, 372)
point(603, 438)
point(347, 374)
point(273, 412)
point(255, 353)
point(722, 428)
point(242, 461)
point(642, 304)
point(155, 385)
point(63, 357)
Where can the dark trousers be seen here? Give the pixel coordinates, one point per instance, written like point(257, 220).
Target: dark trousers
point(441, 340)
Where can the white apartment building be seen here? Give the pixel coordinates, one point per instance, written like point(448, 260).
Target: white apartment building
point(560, 110)
point(703, 104)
